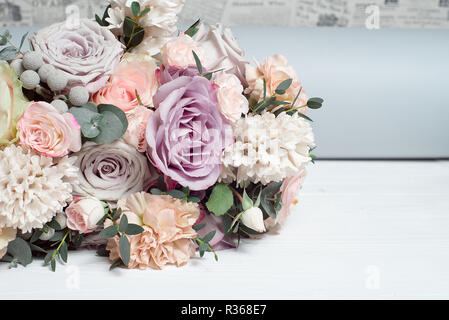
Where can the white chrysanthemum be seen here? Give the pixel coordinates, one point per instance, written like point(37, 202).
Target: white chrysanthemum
point(267, 148)
point(33, 188)
point(159, 23)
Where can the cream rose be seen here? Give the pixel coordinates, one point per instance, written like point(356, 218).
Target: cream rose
point(87, 55)
point(6, 236)
point(83, 214)
point(253, 219)
point(178, 52)
point(223, 51)
point(135, 74)
point(48, 132)
point(12, 104)
point(231, 101)
point(112, 171)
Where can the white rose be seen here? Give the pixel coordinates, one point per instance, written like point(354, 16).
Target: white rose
point(253, 219)
point(83, 214)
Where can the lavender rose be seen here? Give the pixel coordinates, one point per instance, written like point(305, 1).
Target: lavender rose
point(87, 54)
point(112, 171)
point(223, 51)
point(187, 134)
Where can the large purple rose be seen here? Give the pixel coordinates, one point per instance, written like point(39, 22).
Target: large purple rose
point(187, 134)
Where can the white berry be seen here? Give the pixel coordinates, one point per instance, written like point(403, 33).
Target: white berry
point(62, 220)
point(79, 96)
point(17, 66)
point(30, 79)
point(60, 105)
point(57, 80)
point(45, 71)
point(32, 60)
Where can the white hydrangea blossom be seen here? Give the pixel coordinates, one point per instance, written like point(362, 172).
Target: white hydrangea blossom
point(159, 23)
point(33, 188)
point(267, 149)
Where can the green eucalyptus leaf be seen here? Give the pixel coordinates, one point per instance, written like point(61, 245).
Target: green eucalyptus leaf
point(102, 108)
point(193, 29)
point(8, 53)
point(198, 227)
point(110, 130)
point(247, 202)
point(134, 229)
point(123, 223)
point(125, 252)
point(129, 26)
point(221, 200)
point(268, 193)
point(209, 236)
point(177, 194)
point(19, 249)
point(315, 103)
point(135, 7)
point(109, 232)
point(137, 37)
point(198, 62)
point(145, 12)
point(64, 251)
point(284, 86)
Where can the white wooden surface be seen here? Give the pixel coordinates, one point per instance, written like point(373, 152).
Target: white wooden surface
point(362, 230)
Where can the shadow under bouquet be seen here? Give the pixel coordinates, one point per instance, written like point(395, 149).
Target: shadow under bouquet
point(145, 143)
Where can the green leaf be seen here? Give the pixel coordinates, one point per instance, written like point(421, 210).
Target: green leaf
point(145, 12)
point(315, 103)
point(64, 252)
point(8, 53)
point(110, 130)
point(134, 229)
point(53, 265)
point(247, 202)
point(194, 199)
point(123, 223)
point(129, 26)
point(58, 236)
point(99, 21)
point(156, 192)
point(135, 7)
point(264, 88)
point(90, 130)
point(109, 232)
point(125, 252)
point(198, 62)
point(209, 236)
point(24, 37)
point(177, 194)
point(36, 235)
point(84, 115)
point(221, 200)
point(283, 87)
point(19, 249)
point(193, 29)
point(268, 193)
point(103, 252)
point(198, 227)
point(54, 225)
point(115, 265)
point(297, 97)
point(102, 108)
point(48, 257)
point(137, 38)
point(35, 248)
point(302, 115)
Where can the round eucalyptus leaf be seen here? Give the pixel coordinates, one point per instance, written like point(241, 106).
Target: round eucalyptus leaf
point(102, 108)
point(111, 129)
point(90, 131)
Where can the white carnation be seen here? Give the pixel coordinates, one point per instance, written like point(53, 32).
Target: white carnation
point(267, 148)
point(159, 23)
point(33, 188)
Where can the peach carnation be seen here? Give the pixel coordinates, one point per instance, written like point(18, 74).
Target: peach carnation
point(168, 231)
point(275, 70)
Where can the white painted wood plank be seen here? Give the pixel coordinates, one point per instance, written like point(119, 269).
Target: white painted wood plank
point(362, 230)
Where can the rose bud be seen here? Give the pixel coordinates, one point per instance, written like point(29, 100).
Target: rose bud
point(253, 219)
point(83, 214)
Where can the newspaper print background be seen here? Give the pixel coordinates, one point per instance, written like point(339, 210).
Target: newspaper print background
point(305, 13)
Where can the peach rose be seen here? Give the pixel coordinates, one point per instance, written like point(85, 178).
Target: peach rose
point(290, 190)
point(6, 236)
point(83, 214)
point(231, 101)
point(168, 231)
point(136, 72)
point(137, 124)
point(48, 132)
point(275, 70)
point(178, 52)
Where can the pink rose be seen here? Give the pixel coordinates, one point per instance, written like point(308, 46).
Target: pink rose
point(178, 52)
point(275, 70)
point(137, 124)
point(50, 133)
point(83, 214)
point(231, 101)
point(290, 191)
point(136, 73)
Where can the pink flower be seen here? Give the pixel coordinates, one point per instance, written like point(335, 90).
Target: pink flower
point(231, 101)
point(136, 73)
point(83, 214)
point(178, 52)
point(6, 236)
point(45, 130)
point(275, 70)
point(290, 190)
point(137, 124)
point(168, 231)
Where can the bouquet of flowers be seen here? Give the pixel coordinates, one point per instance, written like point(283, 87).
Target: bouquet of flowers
point(118, 135)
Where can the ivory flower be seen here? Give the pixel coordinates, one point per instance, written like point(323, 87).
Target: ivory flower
point(12, 104)
point(6, 236)
point(267, 148)
point(275, 70)
point(168, 230)
point(134, 78)
point(45, 130)
point(253, 219)
point(231, 101)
